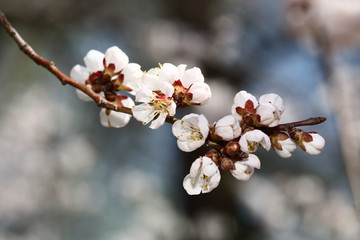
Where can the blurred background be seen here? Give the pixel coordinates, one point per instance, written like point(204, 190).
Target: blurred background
point(64, 176)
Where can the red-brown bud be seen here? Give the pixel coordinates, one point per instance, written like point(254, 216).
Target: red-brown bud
point(226, 163)
point(214, 155)
point(232, 148)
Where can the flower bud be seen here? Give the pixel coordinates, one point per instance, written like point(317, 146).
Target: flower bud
point(232, 148)
point(310, 142)
point(214, 155)
point(282, 144)
point(226, 163)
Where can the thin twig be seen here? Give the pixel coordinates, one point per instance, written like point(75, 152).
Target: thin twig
point(64, 79)
point(307, 122)
point(101, 102)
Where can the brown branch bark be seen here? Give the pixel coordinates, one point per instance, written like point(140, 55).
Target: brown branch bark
point(101, 102)
point(64, 79)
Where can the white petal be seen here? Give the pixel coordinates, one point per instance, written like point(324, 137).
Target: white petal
point(159, 121)
point(115, 119)
point(203, 126)
point(242, 171)
point(144, 95)
point(273, 99)
point(189, 146)
point(169, 73)
point(192, 76)
point(253, 161)
point(256, 136)
point(143, 112)
point(151, 79)
point(242, 97)
point(118, 119)
point(316, 145)
point(228, 128)
point(201, 93)
point(269, 114)
point(196, 168)
point(79, 73)
point(166, 88)
point(171, 109)
point(181, 69)
point(117, 57)
point(214, 182)
point(288, 146)
point(104, 119)
point(192, 187)
point(128, 102)
point(94, 61)
point(83, 96)
point(132, 76)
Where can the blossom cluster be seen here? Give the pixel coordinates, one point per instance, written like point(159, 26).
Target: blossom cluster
point(160, 90)
point(236, 137)
point(233, 139)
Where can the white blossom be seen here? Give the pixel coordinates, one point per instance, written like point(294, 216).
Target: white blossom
point(115, 119)
point(287, 147)
point(132, 76)
point(269, 114)
point(244, 169)
point(228, 128)
point(116, 56)
point(80, 74)
point(274, 99)
point(250, 141)
point(154, 106)
point(191, 79)
point(243, 100)
point(201, 93)
point(94, 61)
point(191, 131)
point(315, 146)
point(204, 176)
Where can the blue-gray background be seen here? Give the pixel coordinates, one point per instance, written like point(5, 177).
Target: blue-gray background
point(64, 176)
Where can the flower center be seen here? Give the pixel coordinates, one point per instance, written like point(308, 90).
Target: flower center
point(252, 146)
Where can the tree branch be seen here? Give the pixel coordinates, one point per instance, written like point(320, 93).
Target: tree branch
point(64, 79)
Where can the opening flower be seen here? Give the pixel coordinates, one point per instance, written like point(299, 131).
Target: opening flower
point(244, 168)
point(250, 141)
point(244, 104)
point(269, 114)
point(283, 144)
point(204, 176)
point(227, 128)
point(191, 131)
point(155, 106)
point(107, 73)
point(274, 99)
